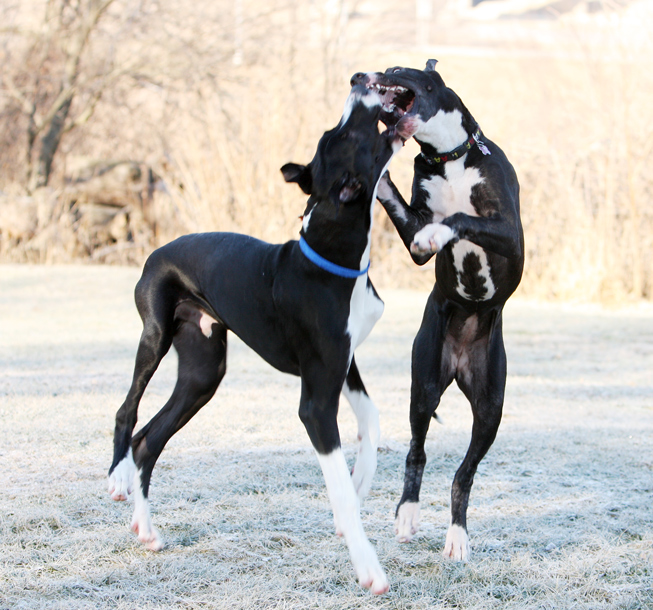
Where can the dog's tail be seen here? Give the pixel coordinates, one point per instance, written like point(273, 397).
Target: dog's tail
point(437, 418)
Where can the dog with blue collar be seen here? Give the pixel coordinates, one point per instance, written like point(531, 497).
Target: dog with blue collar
point(304, 308)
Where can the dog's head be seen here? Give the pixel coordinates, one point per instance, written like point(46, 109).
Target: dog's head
point(350, 158)
point(411, 98)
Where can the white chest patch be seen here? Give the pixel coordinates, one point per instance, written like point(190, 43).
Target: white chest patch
point(452, 193)
point(365, 310)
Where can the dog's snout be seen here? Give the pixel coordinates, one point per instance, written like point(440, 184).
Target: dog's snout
point(360, 78)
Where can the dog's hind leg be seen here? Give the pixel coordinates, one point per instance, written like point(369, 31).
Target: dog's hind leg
point(202, 365)
point(431, 375)
point(156, 338)
point(483, 383)
point(369, 430)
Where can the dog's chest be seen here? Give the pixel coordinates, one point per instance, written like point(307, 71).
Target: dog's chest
point(365, 309)
point(448, 195)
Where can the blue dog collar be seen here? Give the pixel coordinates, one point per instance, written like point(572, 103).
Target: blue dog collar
point(323, 263)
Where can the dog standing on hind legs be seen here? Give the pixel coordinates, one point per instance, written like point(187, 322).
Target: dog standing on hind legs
point(303, 306)
point(465, 208)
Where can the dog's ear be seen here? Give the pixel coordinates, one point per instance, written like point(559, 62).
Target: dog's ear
point(430, 65)
point(346, 190)
point(350, 191)
point(301, 174)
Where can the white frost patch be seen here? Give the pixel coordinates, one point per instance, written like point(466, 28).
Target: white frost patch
point(142, 520)
point(206, 324)
point(407, 521)
point(122, 477)
point(346, 514)
point(460, 250)
point(369, 433)
point(456, 546)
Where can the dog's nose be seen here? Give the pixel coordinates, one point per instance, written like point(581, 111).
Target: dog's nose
point(360, 78)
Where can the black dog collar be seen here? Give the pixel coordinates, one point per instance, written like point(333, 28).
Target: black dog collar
point(456, 153)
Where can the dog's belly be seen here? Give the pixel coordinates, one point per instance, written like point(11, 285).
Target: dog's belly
point(472, 271)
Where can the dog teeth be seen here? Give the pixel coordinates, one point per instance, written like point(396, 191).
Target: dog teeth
point(383, 89)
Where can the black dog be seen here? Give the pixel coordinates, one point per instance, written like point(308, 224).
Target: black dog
point(465, 207)
point(303, 313)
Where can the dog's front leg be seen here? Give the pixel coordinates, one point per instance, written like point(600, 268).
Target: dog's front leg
point(498, 233)
point(407, 220)
point(318, 411)
point(346, 513)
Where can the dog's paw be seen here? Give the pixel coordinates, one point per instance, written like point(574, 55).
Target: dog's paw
point(148, 535)
point(407, 521)
point(432, 238)
point(456, 546)
point(369, 571)
point(121, 479)
point(142, 524)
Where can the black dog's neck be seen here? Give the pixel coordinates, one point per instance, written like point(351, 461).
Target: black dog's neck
point(341, 235)
point(469, 125)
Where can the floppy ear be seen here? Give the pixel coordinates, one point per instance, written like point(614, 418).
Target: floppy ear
point(301, 174)
point(430, 65)
point(350, 191)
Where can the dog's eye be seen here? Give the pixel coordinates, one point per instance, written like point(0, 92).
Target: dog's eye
point(396, 70)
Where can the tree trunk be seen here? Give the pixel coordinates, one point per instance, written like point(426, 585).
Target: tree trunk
point(50, 144)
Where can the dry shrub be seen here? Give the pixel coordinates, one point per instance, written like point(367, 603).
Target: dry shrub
point(574, 118)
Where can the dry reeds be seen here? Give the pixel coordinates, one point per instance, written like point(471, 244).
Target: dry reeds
point(574, 118)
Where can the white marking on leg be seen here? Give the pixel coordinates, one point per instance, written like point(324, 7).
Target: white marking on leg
point(407, 521)
point(456, 546)
point(142, 520)
point(432, 238)
point(346, 513)
point(206, 324)
point(122, 477)
point(369, 433)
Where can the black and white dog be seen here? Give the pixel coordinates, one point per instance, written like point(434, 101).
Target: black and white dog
point(465, 207)
point(303, 306)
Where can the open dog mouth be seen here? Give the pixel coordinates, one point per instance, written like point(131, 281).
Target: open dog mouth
point(397, 101)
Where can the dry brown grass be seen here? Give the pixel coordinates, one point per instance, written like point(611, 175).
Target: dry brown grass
point(560, 512)
point(567, 100)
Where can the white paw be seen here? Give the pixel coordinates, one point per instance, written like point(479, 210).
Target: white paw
point(368, 569)
point(122, 477)
point(456, 546)
point(363, 472)
point(407, 521)
point(142, 520)
point(432, 238)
